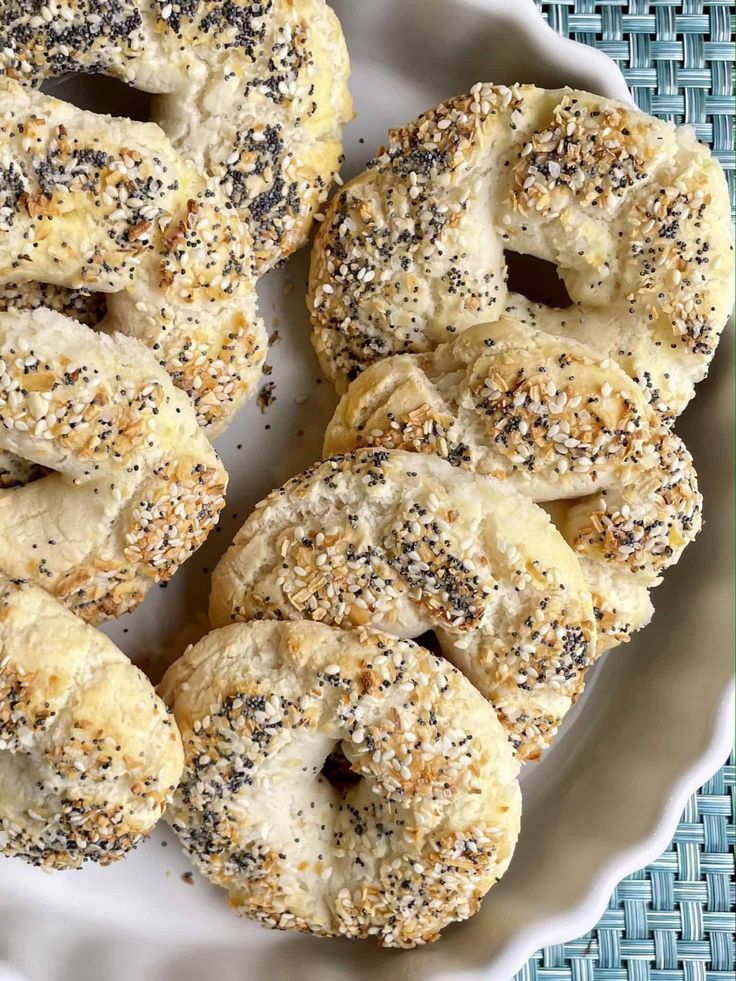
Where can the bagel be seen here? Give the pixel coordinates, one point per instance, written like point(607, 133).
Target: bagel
point(89, 757)
point(137, 486)
point(254, 94)
point(556, 424)
point(427, 815)
point(406, 543)
point(632, 210)
point(97, 203)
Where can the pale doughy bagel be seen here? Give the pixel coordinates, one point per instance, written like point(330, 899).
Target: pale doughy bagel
point(406, 543)
point(105, 204)
point(556, 424)
point(427, 815)
point(89, 757)
point(633, 211)
point(138, 486)
point(255, 94)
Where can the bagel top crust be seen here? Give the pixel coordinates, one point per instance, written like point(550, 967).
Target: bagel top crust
point(89, 757)
point(631, 209)
point(137, 487)
point(556, 424)
point(425, 824)
point(104, 204)
point(255, 94)
point(406, 543)
point(547, 418)
point(544, 414)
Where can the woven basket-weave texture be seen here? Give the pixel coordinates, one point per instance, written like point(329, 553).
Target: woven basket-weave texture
point(674, 919)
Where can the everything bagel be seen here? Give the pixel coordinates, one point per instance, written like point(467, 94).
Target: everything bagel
point(137, 487)
point(425, 815)
point(406, 543)
point(633, 211)
point(106, 205)
point(254, 94)
point(555, 424)
point(89, 757)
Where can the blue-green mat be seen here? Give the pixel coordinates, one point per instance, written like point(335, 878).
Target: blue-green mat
point(673, 920)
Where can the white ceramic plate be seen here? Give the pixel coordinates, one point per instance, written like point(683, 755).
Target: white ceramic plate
point(655, 719)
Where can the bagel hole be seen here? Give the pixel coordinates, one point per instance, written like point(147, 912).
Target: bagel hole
point(536, 279)
point(90, 308)
point(336, 771)
point(430, 643)
point(100, 93)
point(15, 471)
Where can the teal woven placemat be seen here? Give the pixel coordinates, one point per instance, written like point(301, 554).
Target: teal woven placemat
point(673, 920)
